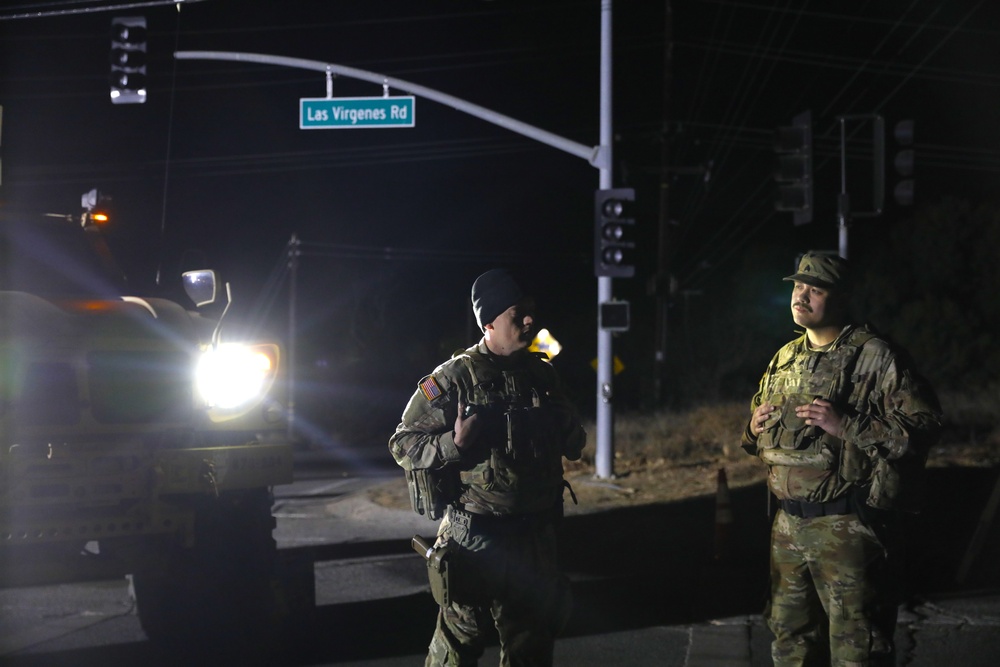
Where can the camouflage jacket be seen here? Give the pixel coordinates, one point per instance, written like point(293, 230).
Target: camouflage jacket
point(515, 465)
point(891, 418)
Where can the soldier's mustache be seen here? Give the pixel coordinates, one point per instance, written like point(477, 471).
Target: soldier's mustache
point(804, 305)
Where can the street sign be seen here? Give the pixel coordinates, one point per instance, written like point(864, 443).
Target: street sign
point(332, 113)
point(617, 365)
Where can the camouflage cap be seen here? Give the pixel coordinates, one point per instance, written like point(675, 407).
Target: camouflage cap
point(823, 270)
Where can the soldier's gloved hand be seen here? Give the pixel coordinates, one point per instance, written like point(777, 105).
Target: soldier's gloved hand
point(466, 428)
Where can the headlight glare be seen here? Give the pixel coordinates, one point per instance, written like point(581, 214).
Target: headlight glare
point(232, 374)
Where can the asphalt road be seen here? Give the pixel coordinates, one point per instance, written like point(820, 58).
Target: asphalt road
point(647, 589)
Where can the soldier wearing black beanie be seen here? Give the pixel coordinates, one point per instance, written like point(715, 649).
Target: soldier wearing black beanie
point(482, 441)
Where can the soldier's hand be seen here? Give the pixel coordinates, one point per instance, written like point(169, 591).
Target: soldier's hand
point(466, 428)
point(821, 413)
point(760, 417)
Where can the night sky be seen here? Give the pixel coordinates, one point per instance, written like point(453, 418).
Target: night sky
point(396, 223)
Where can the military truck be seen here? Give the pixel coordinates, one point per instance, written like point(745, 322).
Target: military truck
point(136, 439)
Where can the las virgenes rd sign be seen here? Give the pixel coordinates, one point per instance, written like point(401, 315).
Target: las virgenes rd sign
point(331, 113)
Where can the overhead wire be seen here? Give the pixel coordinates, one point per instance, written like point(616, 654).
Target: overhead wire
point(928, 56)
point(982, 29)
point(941, 156)
point(731, 133)
point(167, 150)
point(751, 81)
point(748, 82)
point(391, 253)
point(857, 72)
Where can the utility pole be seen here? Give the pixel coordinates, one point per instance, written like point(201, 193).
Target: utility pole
point(293, 275)
point(660, 287)
point(845, 212)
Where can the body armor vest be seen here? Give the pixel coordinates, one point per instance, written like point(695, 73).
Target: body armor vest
point(519, 464)
point(805, 462)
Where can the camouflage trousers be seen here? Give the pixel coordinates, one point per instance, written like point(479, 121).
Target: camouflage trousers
point(832, 599)
point(517, 589)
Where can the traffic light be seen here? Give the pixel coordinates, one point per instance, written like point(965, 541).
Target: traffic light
point(614, 229)
point(128, 60)
point(794, 147)
point(903, 162)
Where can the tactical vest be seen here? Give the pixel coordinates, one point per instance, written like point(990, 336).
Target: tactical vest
point(805, 462)
point(516, 465)
point(519, 466)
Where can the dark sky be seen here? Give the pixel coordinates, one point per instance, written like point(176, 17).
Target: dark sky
point(216, 159)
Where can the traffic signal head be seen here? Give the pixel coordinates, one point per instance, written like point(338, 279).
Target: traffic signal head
point(903, 162)
point(794, 148)
point(128, 60)
point(614, 229)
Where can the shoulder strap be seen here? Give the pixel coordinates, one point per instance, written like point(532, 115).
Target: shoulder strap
point(855, 341)
point(469, 356)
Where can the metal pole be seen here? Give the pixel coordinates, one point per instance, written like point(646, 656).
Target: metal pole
point(293, 270)
point(661, 284)
point(605, 455)
point(844, 200)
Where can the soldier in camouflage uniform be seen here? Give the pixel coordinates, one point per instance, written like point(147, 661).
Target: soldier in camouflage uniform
point(488, 430)
point(844, 424)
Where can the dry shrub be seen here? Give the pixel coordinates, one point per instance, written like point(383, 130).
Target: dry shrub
point(705, 433)
point(711, 433)
point(978, 409)
point(971, 435)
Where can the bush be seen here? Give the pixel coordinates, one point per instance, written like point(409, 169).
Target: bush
point(697, 435)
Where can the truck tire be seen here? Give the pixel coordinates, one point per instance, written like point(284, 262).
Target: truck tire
point(220, 593)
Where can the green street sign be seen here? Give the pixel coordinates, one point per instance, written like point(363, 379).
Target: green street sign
point(332, 113)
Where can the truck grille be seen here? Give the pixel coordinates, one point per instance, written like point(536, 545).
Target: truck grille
point(50, 395)
point(135, 387)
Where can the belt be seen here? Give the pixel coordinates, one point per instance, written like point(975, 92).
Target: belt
point(475, 511)
point(806, 510)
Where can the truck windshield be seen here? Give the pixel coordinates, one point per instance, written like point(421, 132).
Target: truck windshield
point(55, 258)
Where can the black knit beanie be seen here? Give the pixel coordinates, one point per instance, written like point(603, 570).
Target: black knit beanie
point(494, 292)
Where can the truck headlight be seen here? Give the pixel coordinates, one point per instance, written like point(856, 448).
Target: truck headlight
point(232, 374)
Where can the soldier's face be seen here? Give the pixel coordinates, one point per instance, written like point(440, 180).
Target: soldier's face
point(512, 330)
point(815, 307)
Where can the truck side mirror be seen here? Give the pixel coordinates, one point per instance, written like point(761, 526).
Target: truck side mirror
point(200, 286)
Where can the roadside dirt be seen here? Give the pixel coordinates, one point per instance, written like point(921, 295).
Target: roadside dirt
point(636, 482)
point(639, 481)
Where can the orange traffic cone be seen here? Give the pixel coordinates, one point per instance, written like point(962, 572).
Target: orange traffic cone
point(723, 517)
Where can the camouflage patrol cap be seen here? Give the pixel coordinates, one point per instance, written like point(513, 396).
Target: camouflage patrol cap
point(822, 270)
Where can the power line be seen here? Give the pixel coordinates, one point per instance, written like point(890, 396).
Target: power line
point(855, 18)
point(391, 253)
point(938, 156)
point(75, 7)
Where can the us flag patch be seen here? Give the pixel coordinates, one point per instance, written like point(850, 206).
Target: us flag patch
point(430, 388)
